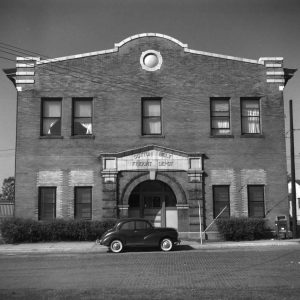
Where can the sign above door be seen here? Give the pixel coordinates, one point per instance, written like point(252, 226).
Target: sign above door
point(151, 158)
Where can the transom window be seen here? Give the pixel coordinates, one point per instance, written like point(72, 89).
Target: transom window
point(51, 117)
point(220, 116)
point(256, 205)
point(221, 201)
point(82, 116)
point(250, 110)
point(151, 116)
point(47, 203)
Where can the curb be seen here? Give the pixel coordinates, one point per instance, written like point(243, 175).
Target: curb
point(92, 247)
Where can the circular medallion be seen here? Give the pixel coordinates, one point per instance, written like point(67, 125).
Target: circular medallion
point(151, 60)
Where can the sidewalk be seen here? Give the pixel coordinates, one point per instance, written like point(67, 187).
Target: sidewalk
point(93, 247)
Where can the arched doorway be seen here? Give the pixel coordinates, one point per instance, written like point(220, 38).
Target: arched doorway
point(155, 201)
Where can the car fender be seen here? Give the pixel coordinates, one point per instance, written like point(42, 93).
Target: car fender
point(107, 240)
point(156, 237)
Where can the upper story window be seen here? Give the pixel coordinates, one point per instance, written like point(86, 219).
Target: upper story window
point(250, 111)
point(82, 116)
point(151, 116)
point(220, 116)
point(51, 117)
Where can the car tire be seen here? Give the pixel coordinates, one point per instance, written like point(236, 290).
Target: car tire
point(116, 246)
point(166, 244)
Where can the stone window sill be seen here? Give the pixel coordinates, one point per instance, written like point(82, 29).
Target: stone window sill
point(222, 136)
point(88, 136)
point(153, 136)
point(51, 137)
point(253, 135)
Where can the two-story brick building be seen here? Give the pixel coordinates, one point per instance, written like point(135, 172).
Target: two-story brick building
point(151, 128)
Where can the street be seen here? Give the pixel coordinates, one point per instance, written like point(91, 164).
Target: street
point(261, 273)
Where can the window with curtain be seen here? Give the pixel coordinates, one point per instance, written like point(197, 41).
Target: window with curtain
point(250, 109)
point(83, 203)
point(221, 201)
point(51, 117)
point(151, 117)
point(220, 116)
point(256, 203)
point(82, 116)
point(47, 203)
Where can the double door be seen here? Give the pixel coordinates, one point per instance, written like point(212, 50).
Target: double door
point(156, 202)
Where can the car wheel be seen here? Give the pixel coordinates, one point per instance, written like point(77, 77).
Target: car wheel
point(166, 244)
point(116, 246)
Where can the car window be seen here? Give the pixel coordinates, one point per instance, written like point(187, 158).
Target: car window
point(142, 225)
point(128, 226)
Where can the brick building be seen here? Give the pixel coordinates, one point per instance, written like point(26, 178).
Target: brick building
point(151, 128)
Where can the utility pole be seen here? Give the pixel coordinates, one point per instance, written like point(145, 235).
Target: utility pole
point(294, 213)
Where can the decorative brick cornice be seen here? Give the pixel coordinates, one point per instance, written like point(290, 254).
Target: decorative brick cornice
point(25, 72)
point(142, 35)
point(274, 71)
point(275, 74)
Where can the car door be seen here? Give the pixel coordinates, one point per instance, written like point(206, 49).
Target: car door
point(141, 232)
point(126, 232)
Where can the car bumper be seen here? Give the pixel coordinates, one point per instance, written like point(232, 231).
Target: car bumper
point(177, 242)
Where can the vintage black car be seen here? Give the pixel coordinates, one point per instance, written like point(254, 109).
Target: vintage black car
point(138, 233)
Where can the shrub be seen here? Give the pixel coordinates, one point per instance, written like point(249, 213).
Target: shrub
point(239, 229)
point(17, 230)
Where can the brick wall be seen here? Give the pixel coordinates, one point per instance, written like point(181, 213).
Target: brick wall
point(116, 82)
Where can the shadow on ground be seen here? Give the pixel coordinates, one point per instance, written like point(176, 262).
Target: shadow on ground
point(155, 249)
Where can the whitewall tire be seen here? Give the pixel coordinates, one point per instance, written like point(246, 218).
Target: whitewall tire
point(166, 244)
point(116, 246)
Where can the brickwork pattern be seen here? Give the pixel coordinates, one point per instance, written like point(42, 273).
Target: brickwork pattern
point(117, 82)
point(249, 177)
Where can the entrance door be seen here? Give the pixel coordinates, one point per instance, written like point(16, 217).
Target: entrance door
point(154, 201)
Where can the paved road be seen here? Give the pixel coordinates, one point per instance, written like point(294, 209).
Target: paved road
point(263, 273)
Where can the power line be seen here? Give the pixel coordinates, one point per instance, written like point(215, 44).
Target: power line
point(78, 70)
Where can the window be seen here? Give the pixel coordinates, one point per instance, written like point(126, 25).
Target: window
point(51, 117)
point(221, 200)
point(152, 202)
point(220, 116)
point(128, 226)
point(151, 117)
point(250, 116)
point(82, 116)
point(256, 206)
point(139, 225)
point(83, 203)
point(47, 203)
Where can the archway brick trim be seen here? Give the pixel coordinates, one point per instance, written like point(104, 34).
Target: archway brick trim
point(170, 181)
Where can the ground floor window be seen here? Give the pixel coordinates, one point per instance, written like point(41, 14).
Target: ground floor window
point(83, 203)
point(256, 206)
point(221, 201)
point(47, 203)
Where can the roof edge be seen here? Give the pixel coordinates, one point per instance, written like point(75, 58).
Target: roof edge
point(260, 61)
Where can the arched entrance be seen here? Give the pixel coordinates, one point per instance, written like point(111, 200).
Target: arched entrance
point(155, 201)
